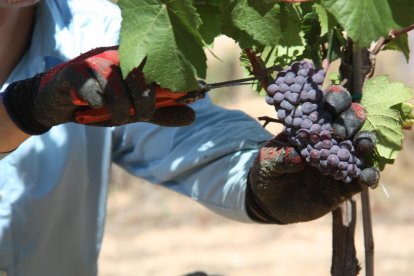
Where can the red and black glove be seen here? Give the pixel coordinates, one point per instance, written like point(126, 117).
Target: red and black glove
point(89, 90)
point(282, 188)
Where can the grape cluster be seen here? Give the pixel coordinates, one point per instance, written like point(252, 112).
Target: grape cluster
point(309, 116)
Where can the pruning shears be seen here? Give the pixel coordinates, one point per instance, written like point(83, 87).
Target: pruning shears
point(163, 98)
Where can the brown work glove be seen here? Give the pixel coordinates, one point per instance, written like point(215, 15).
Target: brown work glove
point(89, 90)
point(282, 188)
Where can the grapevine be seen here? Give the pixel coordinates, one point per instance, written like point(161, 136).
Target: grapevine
point(298, 38)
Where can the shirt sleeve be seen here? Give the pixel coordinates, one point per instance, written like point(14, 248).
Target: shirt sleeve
point(208, 161)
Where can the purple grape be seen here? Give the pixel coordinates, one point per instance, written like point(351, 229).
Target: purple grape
point(290, 78)
point(325, 153)
point(297, 113)
point(278, 97)
point(314, 116)
point(327, 127)
point(304, 153)
point(315, 128)
point(352, 169)
point(318, 145)
point(314, 154)
point(287, 105)
point(280, 80)
point(323, 163)
point(314, 138)
point(283, 87)
point(307, 87)
point(346, 145)
point(269, 100)
point(318, 78)
point(358, 162)
point(325, 134)
point(306, 123)
point(289, 120)
point(294, 98)
point(303, 73)
point(297, 122)
point(343, 154)
point(286, 95)
point(347, 180)
point(272, 89)
point(342, 165)
point(352, 159)
point(300, 80)
point(304, 97)
point(303, 134)
point(358, 172)
point(333, 160)
point(308, 108)
point(327, 144)
point(334, 149)
point(281, 114)
point(315, 95)
point(296, 88)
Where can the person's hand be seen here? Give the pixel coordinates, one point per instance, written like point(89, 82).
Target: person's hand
point(90, 90)
point(283, 188)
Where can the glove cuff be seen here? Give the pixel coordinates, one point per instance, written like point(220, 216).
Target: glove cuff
point(18, 102)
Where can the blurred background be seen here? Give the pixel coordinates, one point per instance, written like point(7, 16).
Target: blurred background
point(153, 231)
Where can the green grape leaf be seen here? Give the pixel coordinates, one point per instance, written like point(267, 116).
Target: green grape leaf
point(229, 29)
point(378, 98)
point(165, 35)
point(258, 19)
point(400, 43)
point(312, 34)
point(326, 19)
point(364, 21)
point(290, 24)
point(211, 17)
point(403, 11)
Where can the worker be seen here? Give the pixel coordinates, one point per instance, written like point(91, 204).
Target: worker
point(54, 171)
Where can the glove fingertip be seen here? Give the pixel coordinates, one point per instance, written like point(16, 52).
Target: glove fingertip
point(369, 177)
point(173, 116)
point(349, 122)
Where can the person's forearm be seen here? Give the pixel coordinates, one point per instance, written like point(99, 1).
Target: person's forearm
point(10, 136)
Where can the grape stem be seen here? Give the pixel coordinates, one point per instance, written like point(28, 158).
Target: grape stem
point(268, 120)
point(258, 70)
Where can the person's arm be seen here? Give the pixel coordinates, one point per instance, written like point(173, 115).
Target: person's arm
point(87, 90)
point(10, 135)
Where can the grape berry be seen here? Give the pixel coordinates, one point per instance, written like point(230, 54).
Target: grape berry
point(317, 122)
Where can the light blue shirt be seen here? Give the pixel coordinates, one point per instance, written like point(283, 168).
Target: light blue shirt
point(53, 188)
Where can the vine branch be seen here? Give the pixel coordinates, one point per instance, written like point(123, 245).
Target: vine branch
point(368, 233)
point(257, 67)
point(393, 34)
point(268, 120)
